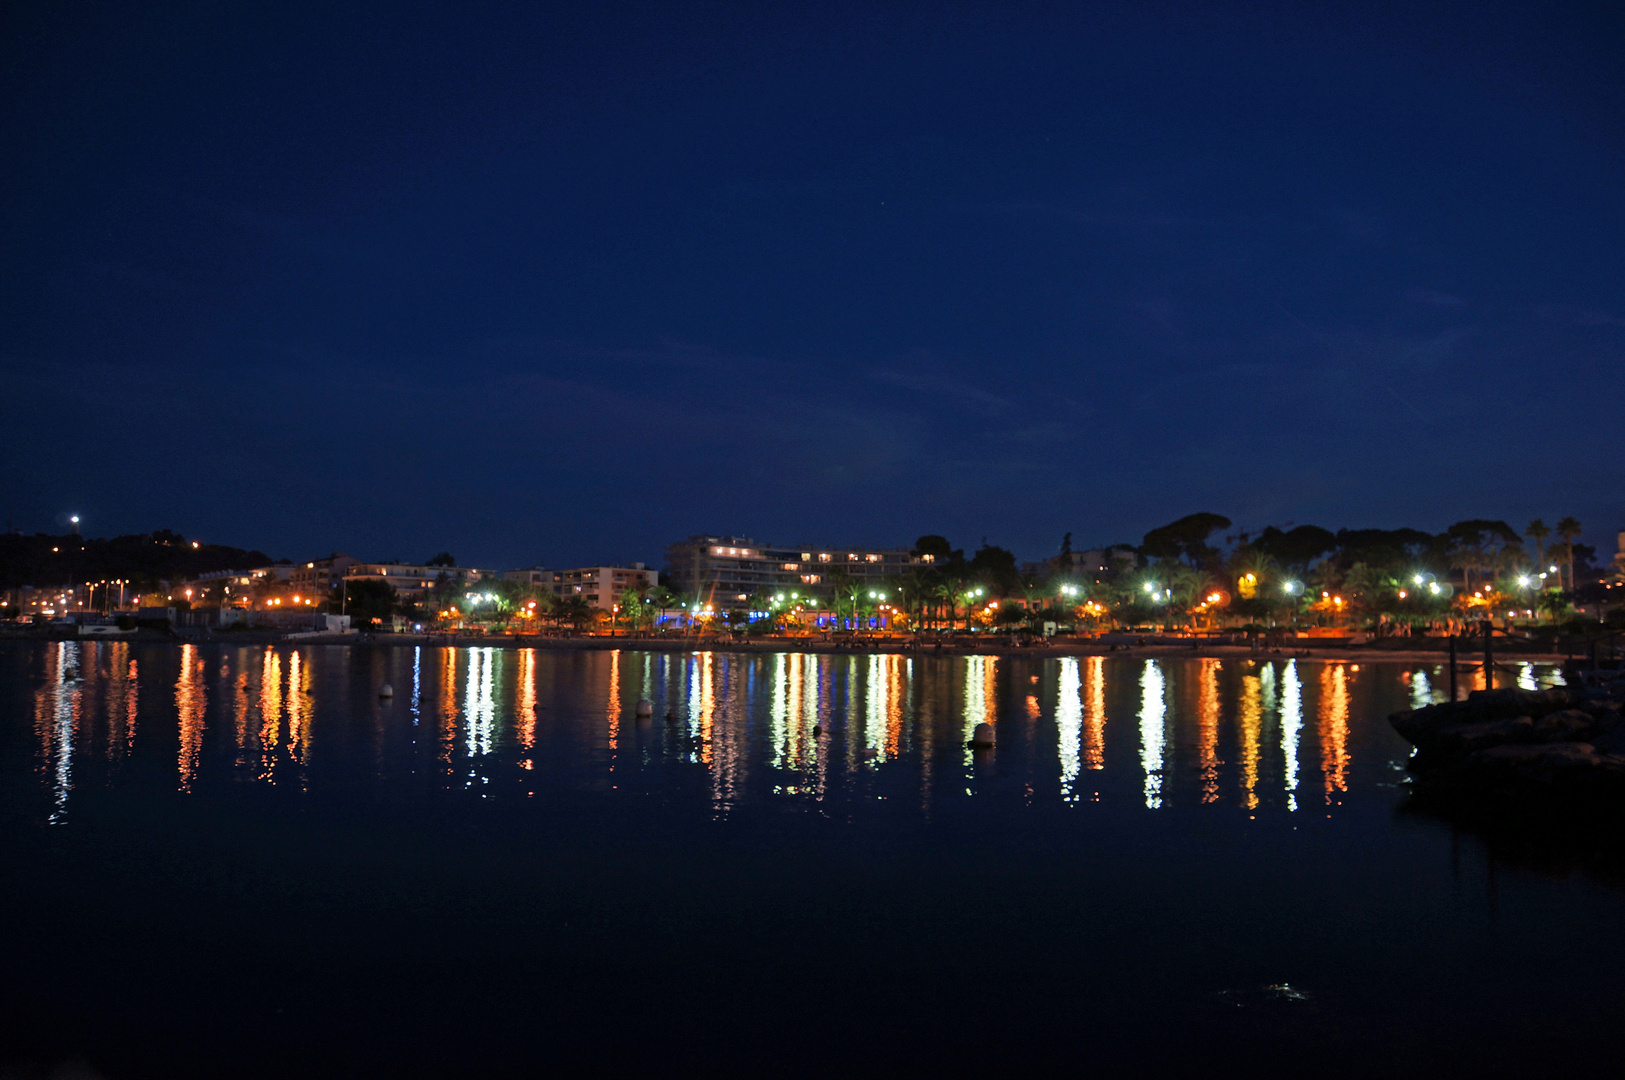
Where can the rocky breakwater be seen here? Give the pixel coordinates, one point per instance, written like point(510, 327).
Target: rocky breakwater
point(1561, 743)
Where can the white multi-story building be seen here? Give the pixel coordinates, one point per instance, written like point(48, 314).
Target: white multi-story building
point(413, 583)
point(600, 586)
point(728, 570)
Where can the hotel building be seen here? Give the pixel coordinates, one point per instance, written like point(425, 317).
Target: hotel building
point(600, 586)
point(727, 570)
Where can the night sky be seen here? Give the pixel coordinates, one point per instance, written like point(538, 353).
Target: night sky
point(562, 283)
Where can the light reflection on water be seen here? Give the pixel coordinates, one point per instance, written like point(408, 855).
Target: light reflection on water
point(858, 730)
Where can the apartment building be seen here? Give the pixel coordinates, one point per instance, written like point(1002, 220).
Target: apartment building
point(413, 583)
point(601, 586)
point(317, 577)
point(727, 570)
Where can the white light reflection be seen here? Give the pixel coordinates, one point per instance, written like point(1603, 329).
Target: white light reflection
point(1421, 690)
point(874, 708)
point(778, 710)
point(479, 705)
point(1291, 729)
point(1153, 711)
point(1069, 721)
point(981, 673)
point(1526, 677)
point(417, 684)
point(65, 690)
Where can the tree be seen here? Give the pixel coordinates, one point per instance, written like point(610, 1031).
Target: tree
point(915, 590)
point(1538, 531)
point(1185, 538)
point(1297, 547)
point(996, 567)
point(1468, 544)
point(937, 548)
point(634, 605)
point(364, 600)
point(1569, 529)
point(445, 558)
point(575, 610)
point(1389, 549)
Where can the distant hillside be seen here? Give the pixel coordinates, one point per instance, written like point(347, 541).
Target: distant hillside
point(49, 561)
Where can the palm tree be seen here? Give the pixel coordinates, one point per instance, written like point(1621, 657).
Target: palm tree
point(1569, 529)
point(915, 591)
point(576, 610)
point(1538, 531)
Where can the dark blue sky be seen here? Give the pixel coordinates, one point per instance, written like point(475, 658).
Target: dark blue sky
point(562, 284)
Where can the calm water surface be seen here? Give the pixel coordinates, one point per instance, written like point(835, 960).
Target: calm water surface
point(244, 859)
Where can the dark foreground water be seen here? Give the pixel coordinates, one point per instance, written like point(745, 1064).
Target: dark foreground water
point(240, 861)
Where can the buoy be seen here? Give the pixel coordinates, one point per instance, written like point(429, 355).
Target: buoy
point(386, 690)
point(671, 716)
point(646, 709)
point(817, 731)
point(982, 737)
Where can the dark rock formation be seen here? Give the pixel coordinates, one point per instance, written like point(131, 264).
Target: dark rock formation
point(1521, 743)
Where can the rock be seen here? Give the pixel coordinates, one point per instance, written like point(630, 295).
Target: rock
point(1611, 741)
point(1516, 701)
point(1419, 725)
point(1422, 727)
point(1545, 770)
point(1481, 736)
point(1541, 762)
point(1564, 726)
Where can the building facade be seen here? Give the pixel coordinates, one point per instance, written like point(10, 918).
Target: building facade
point(315, 579)
point(413, 583)
point(726, 571)
point(601, 586)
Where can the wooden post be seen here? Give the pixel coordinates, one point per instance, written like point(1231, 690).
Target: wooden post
point(1489, 660)
point(1452, 667)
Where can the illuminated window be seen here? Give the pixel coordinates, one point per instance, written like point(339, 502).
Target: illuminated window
point(823, 556)
point(874, 558)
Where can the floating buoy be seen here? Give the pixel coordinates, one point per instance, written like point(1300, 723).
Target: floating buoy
point(645, 709)
point(671, 716)
point(386, 690)
point(817, 731)
point(982, 737)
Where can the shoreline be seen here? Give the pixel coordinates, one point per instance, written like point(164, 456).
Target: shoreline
point(1303, 649)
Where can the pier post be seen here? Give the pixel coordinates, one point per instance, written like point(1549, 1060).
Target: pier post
point(1452, 667)
point(1489, 660)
